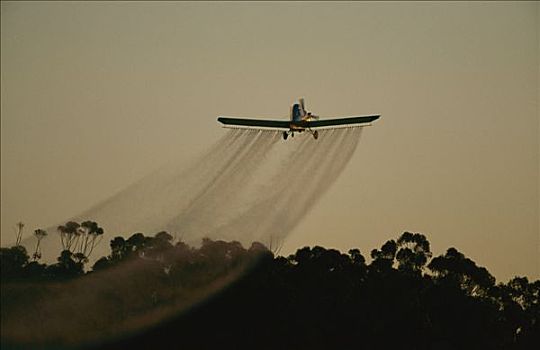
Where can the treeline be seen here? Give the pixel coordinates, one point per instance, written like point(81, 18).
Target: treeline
point(317, 298)
point(78, 242)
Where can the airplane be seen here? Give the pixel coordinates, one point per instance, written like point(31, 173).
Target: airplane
point(300, 120)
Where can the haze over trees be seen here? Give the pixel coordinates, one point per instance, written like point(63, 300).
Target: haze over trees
point(316, 298)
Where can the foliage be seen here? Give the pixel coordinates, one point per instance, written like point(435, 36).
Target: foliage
point(315, 298)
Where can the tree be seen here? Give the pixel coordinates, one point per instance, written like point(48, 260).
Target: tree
point(68, 234)
point(358, 263)
point(315, 298)
point(158, 246)
point(118, 248)
point(275, 243)
point(19, 228)
point(260, 251)
point(101, 264)
point(413, 252)
point(383, 259)
point(519, 305)
point(80, 258)
point(89, 236)
point(68, 265)
point(12, 261)
point(40, 234)
point(136, 244)
point(454, 267)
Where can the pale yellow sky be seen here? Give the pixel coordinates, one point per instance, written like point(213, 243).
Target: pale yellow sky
point(96, 95)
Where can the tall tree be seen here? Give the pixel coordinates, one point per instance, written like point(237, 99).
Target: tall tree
point(90, 236)
point(68, 234)
point(19, 231)
point(40, 234)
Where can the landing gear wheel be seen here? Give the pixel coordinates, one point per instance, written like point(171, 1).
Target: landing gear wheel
point(285, 135)
point(315, 134)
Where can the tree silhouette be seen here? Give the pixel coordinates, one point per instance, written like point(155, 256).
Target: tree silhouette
point(40, 234)
point(19, 232)
point(454, 267)
point(12, 262)
point(316, 298)
point(413, 252)
point(69, 265)
point(383, 259)
point(68, 234)
point(90, 234)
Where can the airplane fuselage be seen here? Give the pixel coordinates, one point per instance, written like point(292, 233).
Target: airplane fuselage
point(299, 119)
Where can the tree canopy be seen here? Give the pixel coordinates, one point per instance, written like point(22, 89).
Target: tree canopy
point(316, 298)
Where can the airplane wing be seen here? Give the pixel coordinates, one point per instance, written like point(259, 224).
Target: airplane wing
point(276, 124)
point(341, 121)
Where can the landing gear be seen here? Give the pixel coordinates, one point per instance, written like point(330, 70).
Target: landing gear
point(287, 133)
point(315, 133)
point(291, 133)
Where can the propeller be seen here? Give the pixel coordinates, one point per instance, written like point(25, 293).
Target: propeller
point(303, 106)
point(310, 116)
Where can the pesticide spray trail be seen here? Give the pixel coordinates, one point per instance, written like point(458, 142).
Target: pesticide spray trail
point(268, 206)
point(217, 196)
point(330, 169)
point(150, 200)
point(223, 203)
point(219, 201)
point(145, 205)
point(294, 190)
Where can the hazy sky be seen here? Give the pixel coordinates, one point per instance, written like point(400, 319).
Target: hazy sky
point(96, 95)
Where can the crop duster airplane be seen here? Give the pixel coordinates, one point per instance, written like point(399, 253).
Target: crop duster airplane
point(300, 120)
